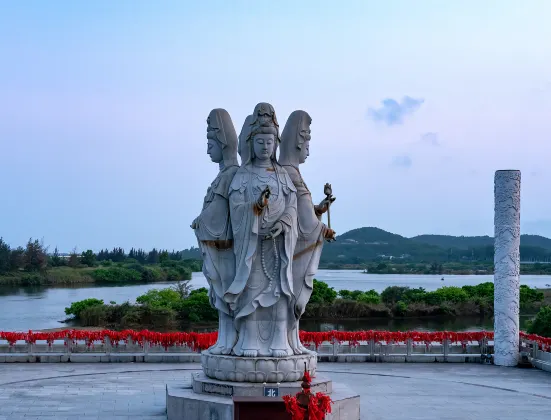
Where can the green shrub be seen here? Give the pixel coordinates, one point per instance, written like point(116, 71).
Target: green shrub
point(94, 316)
point(350, 295)
point(197, 307)
point(528, 295)
point(446, 294)
point(116, 274)
point(155, 316)
point(401, 308)
point(160, 298)
point(393, 294)
point(77, 307)
point(172, 275)
point(32, 279)
point(541, 324)
point(482, 290)
point(322, 293)
point(370, 296)
point(344, 308)
point(152, 274)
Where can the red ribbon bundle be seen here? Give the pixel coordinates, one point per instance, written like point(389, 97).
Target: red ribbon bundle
point(319, 404)
point(202, 341)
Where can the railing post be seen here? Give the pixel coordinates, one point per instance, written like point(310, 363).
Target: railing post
point(409, 345)
point(446, 345)
point(372, 347)
point(535, 348)
point(107, 344)
point(335, 347)
point(67, 345)
point(29, 347)
point(146, 347)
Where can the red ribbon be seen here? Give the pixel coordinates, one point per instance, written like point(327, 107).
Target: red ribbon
point(202, 341)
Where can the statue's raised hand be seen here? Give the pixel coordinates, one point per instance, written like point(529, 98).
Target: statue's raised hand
point(324, 204)
point(275, 231)
point(264, 197)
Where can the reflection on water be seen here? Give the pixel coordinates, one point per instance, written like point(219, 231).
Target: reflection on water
point(38, 308)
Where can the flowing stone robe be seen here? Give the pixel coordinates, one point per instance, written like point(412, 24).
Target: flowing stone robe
point(254, 297)
point(311, 231)
point(213, 227)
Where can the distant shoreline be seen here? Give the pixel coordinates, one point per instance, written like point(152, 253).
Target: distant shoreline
point(443, 269)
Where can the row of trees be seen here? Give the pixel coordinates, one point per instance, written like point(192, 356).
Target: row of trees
point(155, 256)
point(34, 257)
point(31, 258)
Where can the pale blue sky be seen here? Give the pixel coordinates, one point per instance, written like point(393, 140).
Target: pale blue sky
point(103, 108)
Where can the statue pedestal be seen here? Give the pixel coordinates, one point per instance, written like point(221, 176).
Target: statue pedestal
point(258, 369)
point(209, 398)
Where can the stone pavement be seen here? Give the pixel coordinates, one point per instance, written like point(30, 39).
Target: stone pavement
point(388, 391)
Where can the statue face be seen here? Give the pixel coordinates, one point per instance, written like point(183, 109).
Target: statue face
point(214, 150)
point(304, 151)
point(263, 146)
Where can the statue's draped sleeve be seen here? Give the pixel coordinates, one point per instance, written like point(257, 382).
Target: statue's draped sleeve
point(215, 238)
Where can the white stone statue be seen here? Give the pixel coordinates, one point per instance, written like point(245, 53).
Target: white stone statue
point(263, 210)
point(295, 148)
point(213, 226)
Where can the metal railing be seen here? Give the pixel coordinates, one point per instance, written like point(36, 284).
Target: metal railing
point(377, 351)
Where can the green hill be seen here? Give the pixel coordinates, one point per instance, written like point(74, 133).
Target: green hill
point(467, 242)
point(369, 244)
point(459, 242)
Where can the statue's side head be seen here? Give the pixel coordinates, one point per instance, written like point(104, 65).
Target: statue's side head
point(243, 148)
point(222, 138)
point(262, 133)
point(295, 139)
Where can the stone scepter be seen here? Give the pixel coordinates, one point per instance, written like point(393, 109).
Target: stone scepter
point(328, 191)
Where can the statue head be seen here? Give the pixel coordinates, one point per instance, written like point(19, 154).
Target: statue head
point(262, 137)
point(244, 148)
point(264, 115)
point(222, 138)
point(295, 139)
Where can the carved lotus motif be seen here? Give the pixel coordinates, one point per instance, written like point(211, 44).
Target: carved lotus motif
point(257, 369)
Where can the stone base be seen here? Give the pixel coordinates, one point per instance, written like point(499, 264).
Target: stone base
point(203, 385)
point(212, 399)
point(257, 369)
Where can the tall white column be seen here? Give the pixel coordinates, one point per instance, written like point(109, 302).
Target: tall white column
point(506, 267)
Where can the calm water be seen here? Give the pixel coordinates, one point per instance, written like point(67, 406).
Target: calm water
point(22, 309)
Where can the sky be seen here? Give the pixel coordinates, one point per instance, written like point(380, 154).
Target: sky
point(414, 106)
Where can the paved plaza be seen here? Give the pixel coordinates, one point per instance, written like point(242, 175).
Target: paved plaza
point(388, 391)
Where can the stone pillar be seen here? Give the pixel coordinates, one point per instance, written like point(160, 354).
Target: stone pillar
point(506, 267)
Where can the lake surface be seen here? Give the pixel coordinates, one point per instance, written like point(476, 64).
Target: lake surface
point(39, 308)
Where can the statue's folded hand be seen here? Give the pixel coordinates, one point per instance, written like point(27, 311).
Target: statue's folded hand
point(275, 231)
point(264, 198)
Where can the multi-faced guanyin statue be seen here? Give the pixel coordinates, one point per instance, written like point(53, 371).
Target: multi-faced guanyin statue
point(213, 226)
point(263, 213)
